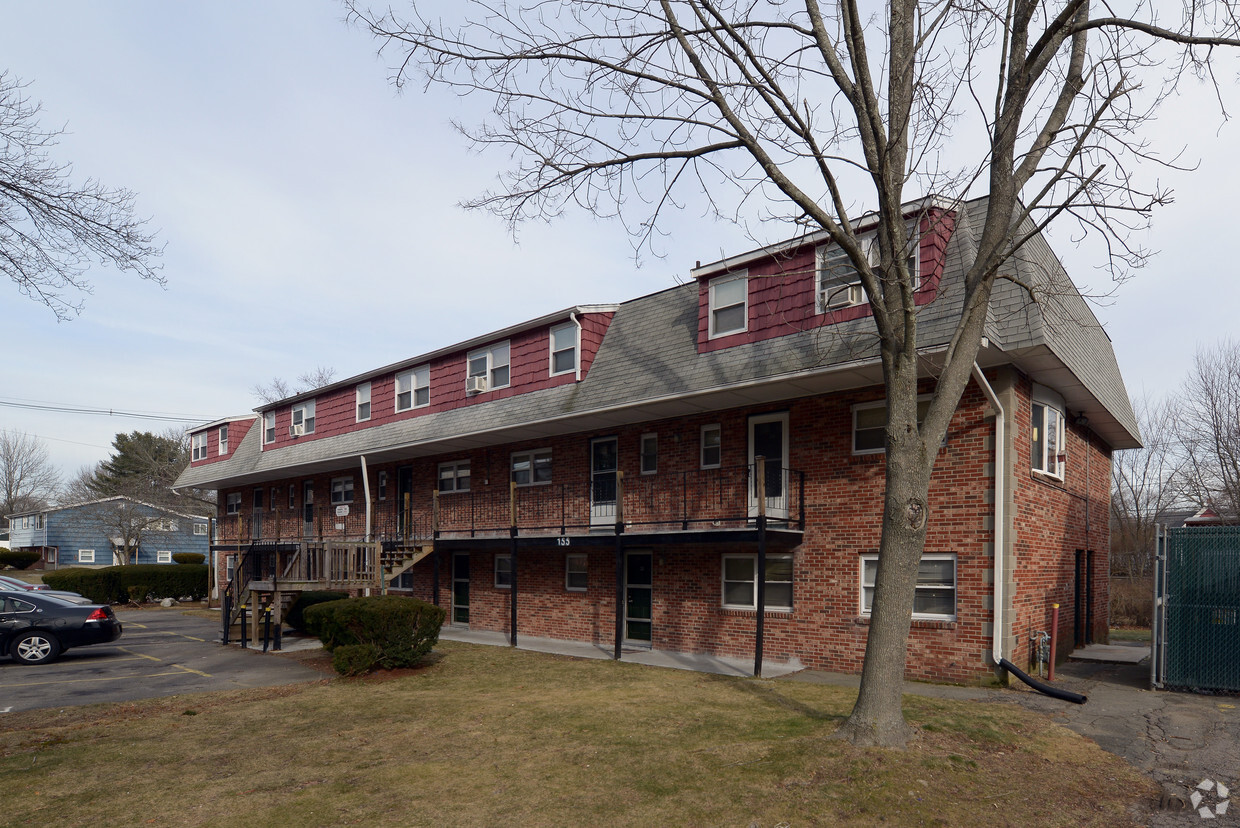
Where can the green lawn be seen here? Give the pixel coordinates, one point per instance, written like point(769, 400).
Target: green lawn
point(493, 736)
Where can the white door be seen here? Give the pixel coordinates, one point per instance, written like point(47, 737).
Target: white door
point(768, 437)
point(604, 456)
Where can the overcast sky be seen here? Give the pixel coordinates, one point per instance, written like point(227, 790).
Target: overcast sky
point(309, 216)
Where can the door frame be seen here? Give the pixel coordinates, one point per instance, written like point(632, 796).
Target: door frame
point(775, 507)
point(604, 514)
point(456, 556)
point(638, 642)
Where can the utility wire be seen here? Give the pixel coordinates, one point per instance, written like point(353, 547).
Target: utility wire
point(103, 412)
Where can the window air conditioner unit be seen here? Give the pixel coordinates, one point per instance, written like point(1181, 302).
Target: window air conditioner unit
point(297, 430)
point(841, 296)
point(475, 385)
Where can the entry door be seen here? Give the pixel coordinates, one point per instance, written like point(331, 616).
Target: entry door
point(460, 588)
point(603, 464)
point(404, 495)
point(307, 508)
point(768, 437)
point(256, 527)
point(638, 597)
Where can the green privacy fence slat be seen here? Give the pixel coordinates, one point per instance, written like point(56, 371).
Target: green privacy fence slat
point(1203, 608)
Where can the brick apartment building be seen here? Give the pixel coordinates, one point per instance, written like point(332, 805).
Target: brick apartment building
point(621, 474)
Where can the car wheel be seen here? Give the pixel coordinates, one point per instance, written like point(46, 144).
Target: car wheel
point(34, 648)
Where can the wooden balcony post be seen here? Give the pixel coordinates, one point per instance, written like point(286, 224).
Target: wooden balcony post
point(759, 463)
point(434, 512)
point(619, 501)
point(512, 505)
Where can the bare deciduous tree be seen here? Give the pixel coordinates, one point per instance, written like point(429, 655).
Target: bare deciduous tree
point(1144, 487)
point(279, 389)
point(51, 228)
point(796, 112)
point(80, 487)
point(1209, 428)
point(28, 480)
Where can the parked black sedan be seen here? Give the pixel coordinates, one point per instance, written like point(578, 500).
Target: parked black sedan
point(34, 629)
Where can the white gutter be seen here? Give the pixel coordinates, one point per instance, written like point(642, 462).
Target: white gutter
point(573, 318)
point(366, 494)
point(996, 646)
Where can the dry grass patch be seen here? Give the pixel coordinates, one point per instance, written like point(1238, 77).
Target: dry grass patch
point(487, 736)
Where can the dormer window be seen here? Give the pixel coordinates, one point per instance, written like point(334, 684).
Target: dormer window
point(198, 447)
point(362, 399)
point(729, 304)
point(838, 285)
point(269, 427)
point(303, 419)
point(413, 388)
point(223, 440)
point(564, 349)
point(488, 369)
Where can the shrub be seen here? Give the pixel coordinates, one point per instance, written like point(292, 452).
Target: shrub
point(17, 558)
point(113, 584)
point(403, 630)
point(355, 659)
point(296, 617)
point(188, 557)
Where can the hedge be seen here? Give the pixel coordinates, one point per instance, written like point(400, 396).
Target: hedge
point(296, 617)
point(188, 557)
point(18, 558)
point(385, 631)
point(138, 582)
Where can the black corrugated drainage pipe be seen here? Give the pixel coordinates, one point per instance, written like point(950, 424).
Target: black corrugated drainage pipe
point(1053, 692)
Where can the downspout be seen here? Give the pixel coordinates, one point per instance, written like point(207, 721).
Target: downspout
point(996, 646)
point(366, 494)
point(573, 318)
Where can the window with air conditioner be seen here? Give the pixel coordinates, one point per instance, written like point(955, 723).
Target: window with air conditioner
point(729, 304)
point(838, 285)
point(488, 369)
point(303, 419)
point(361, 396)
point(198, 446)
point(564, 349)
point(413, 388)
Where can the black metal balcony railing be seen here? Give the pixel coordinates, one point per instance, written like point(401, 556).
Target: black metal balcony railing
point(696, 499)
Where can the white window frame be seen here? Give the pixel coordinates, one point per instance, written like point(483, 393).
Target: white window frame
point(713, 308)
point(752, 558)
point(718, 430)
point(232, 503)
point(382, 484)
point(416, 385)
point(571, 329)
point(492, 364)
point(532, 457)
point(292, 496)
point(923, 405)
point(200, 528)
point(223, 444)
point(833, 257)
point(269, 427)
point(273, 498)
point(198, 447)
point(1044, 459)
point(163, 556)
point(455, 467)
point(86, 556)
point(505, 570)
point(361, 399)
point(928, 556)
point(643, 455)
point(303, 414)
point(342, 490)
point(570, 571)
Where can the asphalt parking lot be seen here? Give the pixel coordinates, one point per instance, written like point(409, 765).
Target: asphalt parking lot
point(161, 653)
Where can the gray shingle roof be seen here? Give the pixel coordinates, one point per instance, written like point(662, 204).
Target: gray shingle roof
point(649, 356)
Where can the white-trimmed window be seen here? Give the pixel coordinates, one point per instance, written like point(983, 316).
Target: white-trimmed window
point(163, 556)
point(198, 446)
point(269, 427)
point(576, 577)
point(740, 582)
point(531, 468)
point(362, 398)
point(838, 285)
point(711, 446)
point(503, 571)
point(935, 597)
point(454, 477)
point(729, 304)
point(274, 500)
point(200, 528)
point(86, 556)
point(164, 525)
point(413, 388)
point(649, 453)
point(563, 349)
point(1047, 427)
point(292, 495)
point(382, 485)
point(490, 367)
point(223, 440)
point(303, 418)
point(869, 429)
point(232, 503)
point(342, 490)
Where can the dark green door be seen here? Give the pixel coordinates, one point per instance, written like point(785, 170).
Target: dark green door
point(638, 597)
point(460, 588)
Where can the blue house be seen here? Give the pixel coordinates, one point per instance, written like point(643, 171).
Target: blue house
point(107, 532)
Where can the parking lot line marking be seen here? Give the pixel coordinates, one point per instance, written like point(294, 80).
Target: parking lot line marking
point(139, 655)
point(96, 680)
point(192, 670)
